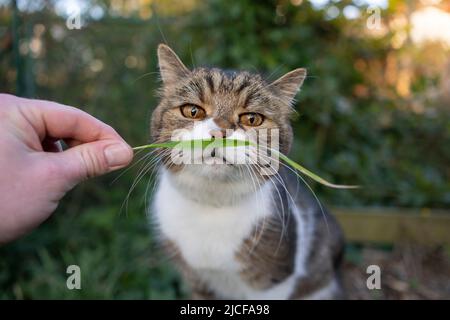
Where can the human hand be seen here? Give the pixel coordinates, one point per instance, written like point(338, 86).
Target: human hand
point(34, 171)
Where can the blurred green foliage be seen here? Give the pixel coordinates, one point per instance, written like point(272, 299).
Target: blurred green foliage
point(354, 126)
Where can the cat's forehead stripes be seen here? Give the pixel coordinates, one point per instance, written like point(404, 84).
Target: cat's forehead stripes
point(235, 89)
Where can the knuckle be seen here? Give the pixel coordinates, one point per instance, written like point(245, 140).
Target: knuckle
point(93, 163)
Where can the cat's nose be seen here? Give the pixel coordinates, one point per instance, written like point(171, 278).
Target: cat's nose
point(217, 134)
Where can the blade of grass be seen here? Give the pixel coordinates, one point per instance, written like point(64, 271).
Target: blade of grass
point(203, 143)
point(312, 175)
point(196, 143)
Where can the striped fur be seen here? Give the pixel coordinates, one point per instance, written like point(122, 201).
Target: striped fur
point(232, 232)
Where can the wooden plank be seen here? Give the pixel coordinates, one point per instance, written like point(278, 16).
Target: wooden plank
point(388, 226)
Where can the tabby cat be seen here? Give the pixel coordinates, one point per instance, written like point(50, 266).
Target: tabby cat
point(233, 232)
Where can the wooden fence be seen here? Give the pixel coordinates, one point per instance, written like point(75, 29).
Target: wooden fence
point(388, 226)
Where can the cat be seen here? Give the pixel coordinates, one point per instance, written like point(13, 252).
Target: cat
point(233, 232)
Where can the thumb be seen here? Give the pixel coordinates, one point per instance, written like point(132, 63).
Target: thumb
point(93, 159)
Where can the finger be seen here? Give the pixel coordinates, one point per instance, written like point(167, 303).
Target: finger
point(72, 142)
point(96, 147)
point(65, 122)
point(92, 159)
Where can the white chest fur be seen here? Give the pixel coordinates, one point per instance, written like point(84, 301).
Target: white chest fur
point(208, 237)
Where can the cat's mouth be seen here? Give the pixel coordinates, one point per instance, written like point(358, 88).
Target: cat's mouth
point(216, 158)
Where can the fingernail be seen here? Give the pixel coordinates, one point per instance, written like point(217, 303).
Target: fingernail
point(117, 155)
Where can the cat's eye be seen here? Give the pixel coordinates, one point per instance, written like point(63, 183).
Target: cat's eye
point(192, 111)
point(251, 119)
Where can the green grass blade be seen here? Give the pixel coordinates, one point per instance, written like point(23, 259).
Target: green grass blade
point(196, 143)
point(203, 143)
point(312, 175)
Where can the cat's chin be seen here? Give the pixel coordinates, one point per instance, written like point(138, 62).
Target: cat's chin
point(212, 184)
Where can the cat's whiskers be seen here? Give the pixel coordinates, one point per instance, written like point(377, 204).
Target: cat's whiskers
point(146, 167)
point(151, 178)
point(282, 214)
point(298, 175)
point(146, 155)
point(280, 197)
point(252, 165)
point(125, 202)
point(257, 234)
point(162, 162)
point(292, 201)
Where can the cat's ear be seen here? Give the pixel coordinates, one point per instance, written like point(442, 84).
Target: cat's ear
point(170, 66)
point(288, 85)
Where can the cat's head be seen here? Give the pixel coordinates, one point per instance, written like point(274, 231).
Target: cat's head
point(210, 102)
